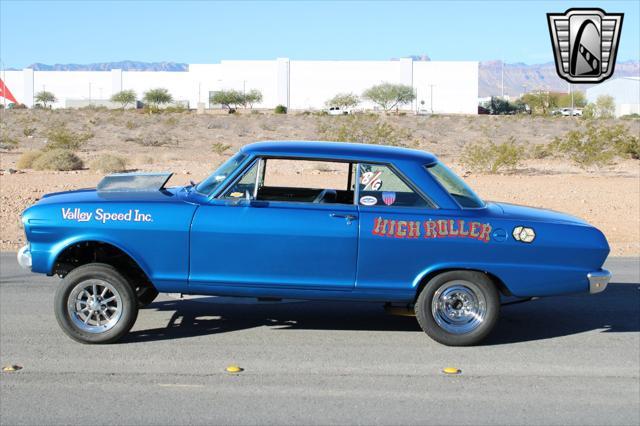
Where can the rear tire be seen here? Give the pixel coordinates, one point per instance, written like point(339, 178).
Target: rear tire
point(458, 308)
point(94, 303)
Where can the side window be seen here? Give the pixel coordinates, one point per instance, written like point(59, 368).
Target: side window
point(306, 181)
point(380, 186)
point(294, 180)
point(244, 187)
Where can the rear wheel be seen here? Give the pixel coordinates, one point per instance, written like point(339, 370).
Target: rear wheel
point(458, 308)
point(94, 303)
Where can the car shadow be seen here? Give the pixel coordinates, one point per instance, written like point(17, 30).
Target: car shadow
point(617, 310)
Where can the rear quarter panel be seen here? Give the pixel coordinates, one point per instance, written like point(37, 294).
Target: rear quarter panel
point(556, 262)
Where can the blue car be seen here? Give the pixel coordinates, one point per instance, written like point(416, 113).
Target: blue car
point(307, 220)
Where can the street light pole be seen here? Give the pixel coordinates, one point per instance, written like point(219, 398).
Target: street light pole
point(502, 79)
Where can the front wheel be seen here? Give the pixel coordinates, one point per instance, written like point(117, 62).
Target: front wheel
point(458, 308)
point(94, 303)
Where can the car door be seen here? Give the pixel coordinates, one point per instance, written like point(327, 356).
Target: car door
point(239, 239)
point(392, 249)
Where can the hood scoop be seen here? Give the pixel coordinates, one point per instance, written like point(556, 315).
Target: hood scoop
point(134, 182)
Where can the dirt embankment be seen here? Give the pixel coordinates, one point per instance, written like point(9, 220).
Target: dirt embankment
point(187, 144)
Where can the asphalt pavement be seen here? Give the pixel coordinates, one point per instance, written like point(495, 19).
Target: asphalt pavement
point(564, 360)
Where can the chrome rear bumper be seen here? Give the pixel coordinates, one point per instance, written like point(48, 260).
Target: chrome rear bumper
point(598, 280)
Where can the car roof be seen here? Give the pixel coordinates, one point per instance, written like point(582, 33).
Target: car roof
point(343, 150)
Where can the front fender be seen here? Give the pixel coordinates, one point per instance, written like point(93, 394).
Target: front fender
point(44, 260)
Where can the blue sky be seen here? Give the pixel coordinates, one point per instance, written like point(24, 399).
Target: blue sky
point(206, 32)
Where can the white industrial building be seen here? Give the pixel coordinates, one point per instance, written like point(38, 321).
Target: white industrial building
point(625, 92)
point(441, 87)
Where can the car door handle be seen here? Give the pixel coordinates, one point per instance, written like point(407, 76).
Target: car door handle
point(348, 217)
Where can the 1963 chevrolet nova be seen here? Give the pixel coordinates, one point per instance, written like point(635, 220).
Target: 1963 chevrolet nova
point(353, 222)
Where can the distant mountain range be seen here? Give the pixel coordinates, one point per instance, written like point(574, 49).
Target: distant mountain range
point(107, 66)
point(518, 77)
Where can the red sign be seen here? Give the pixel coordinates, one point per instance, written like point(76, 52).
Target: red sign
point(6, 93)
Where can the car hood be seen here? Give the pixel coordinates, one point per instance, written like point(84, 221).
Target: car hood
point(514, 211)
point(81, 196)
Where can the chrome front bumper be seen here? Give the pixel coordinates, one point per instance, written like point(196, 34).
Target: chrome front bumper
point(24, 257)
point(598, 280)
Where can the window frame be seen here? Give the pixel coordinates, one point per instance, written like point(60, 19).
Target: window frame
point(261, 175)
point(431, 205)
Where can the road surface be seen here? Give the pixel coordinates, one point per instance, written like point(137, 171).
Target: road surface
point(564, 360)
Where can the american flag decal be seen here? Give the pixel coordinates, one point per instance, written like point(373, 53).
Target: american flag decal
point(389, 198)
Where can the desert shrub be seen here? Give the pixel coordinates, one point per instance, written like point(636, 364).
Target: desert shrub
point(628, 147)
point(178, 108)
point(596, 145)
point(57, 159)
point(633, 116)
point(490, 157)
point(60, 137)
point(28, 131)
point(171, 121)
point(109, 163)
point(363, 129)
point(27, 158)
point(7, 141)
point(219, 147)
point(130, 125)
point(540, 151)
point(280, 109)
point(154, 140)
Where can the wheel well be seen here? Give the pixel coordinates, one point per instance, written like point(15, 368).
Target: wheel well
point(502, 288)
point(85, 252)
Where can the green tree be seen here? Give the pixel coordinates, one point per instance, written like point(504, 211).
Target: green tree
point(541, 102)
point(579, 100)
point(230, 99)
point(254, 96)
point(45, 98)
point(124, 98)
point(605, 106)
point(389, 96)
point(344, 100)
point(156, 97)
point(501, 106)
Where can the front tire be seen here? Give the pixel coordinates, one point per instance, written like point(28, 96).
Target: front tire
point(458, 308)
point(94, 303)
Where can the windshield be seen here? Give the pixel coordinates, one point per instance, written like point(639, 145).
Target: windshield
point(455, 186)
point(208, 185)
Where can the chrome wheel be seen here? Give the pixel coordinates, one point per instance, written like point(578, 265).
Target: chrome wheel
point(459, 307)
point(94, 306)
